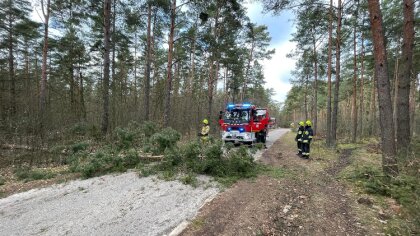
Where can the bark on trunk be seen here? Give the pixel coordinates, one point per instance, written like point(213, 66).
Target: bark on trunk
point(329, 123)
point(167, 112)
point(362, 84)
point(413, 105)
point(43, 85)
point(12, 71)
point(354, 97)
point(337, 78)
point(315, 118)
point(107, 37)
point(403, 107)
point(82, 97)
point(389, 160)
point(306, 97)
point(148, 63)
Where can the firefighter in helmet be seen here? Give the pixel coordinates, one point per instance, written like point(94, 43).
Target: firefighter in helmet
point(298, 137)
point(204, 134)
point(306, 139)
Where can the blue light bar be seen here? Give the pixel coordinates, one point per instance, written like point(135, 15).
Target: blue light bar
point(229, 128)
point(246, 105)
point(231, 106)
point(241, 130)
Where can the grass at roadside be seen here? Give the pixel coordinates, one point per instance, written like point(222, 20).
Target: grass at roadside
point(393, 206)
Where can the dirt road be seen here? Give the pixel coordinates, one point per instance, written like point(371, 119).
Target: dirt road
point(109, 205)
point(308, 200)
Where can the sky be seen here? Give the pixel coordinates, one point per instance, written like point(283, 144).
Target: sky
point(277, 70)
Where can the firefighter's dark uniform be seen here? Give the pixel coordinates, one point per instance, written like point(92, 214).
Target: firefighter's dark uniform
point(298, 138)
point(306, 140)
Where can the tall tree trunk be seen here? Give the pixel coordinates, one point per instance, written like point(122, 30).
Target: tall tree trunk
point(115, 109)
point(43, 85)
point(395, 92)
point(27, 79)
point(82, 97)
point(214, 67)
point(12, 71)
point(189, 92)
point(315, 118)
point(362, 84)
point(248, 67)
point(354, 97)
point(337, 78)
point(148, 62)
point(167, 112)
point(403, 108)
point(107, 37)
point(413, 104)
point(305, 101)
point(373, 106)
point(329, 123)
point(210, 88)
point(135, 75)
point(389, 160)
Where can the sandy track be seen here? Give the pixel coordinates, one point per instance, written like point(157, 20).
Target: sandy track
point(109, 205)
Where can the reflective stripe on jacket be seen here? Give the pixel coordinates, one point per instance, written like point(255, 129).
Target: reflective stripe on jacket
point(299, 134)
point(205, 130)
point(307, 134)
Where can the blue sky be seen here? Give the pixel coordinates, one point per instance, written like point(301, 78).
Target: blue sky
point(277, 70)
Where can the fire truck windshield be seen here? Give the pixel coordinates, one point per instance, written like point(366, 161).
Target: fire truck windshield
point(237, 114)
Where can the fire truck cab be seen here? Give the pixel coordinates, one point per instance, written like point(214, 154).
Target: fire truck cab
point(244, 123)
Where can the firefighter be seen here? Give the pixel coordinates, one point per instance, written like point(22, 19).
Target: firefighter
point(298, 137)
point(204, 134)
point(306, 139)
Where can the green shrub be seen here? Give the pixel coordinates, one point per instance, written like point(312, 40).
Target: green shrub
point(213, 151)
point(259, 146)
point(2, 180)
point(190, 179)
point(404, 189)
point(80, 128)
point(90, 165)
point(125, 138)
point(229, 146)
point(148, 129)
point(167, 138)
point(146, 170)
point(79, 147)
point(27, 174)
point(131, 159)
point(191, 154)
point(240, 163)
point(172, 157)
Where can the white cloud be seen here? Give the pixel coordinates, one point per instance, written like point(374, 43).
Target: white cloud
point(277, 70)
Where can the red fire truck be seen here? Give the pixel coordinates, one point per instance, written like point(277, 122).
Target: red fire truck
point(244, 123)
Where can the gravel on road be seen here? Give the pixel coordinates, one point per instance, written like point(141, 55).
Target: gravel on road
point(122, 204)
point(109, 205)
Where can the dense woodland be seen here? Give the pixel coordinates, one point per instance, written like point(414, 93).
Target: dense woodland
point(105, 64)
point(357, 74)
point(111, 62)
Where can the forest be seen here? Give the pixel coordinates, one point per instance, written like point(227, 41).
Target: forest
point(100, 86)
point(100, 66)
